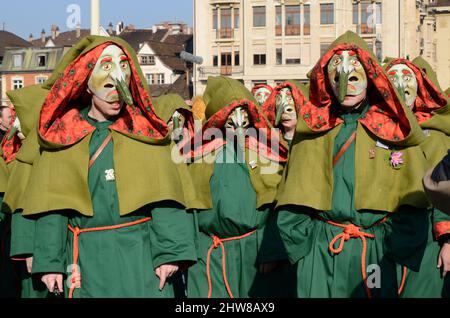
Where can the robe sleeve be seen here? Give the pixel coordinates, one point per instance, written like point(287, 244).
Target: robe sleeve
point(22, 236)
point(172, 235)
point(295, 230)
point(50, 244)
point(441, 224)
point(271, 248)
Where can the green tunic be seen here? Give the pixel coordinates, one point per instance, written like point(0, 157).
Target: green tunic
point(121, 262)
point(234, 213)
point(321, 273)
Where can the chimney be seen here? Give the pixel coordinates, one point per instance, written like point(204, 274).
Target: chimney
point(57, 31)
point(78, 30)
point(30, 38)
point(43, 37)
point(110, 28)
point(54, 30)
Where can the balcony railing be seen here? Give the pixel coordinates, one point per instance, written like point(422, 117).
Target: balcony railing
point(205, 71)
point(278, 30)
point(225, 33)
point(293, 29)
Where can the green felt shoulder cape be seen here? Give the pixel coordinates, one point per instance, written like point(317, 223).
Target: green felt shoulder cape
point(3, 175)
point(166, 105)
point(144, 170)
point(308, 177)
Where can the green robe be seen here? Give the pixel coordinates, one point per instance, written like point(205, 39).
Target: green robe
point(235, 213)
point(428, 281)
point(121, 262)
point(321, 273)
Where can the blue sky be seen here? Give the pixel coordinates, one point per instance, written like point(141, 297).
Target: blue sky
point(23, 17)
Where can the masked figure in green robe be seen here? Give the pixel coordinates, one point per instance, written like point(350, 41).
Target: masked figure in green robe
point(20, 152)
point(261, 93)
point(8, 276)
point(351, 203)
point(430, 107)
point(174, 111)
point(236, 164)
point(108, 199)
point(283, 106)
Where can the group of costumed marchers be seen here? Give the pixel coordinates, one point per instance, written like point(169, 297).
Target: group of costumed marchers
point(311, 189)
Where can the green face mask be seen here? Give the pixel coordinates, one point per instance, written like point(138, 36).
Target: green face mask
point(347, 76)
point(285, 106)
point(238, 121)
point(110, 79)
point(177, 121)
point(261, 95)
point(405, 81)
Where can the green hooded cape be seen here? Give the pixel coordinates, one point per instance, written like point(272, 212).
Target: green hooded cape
point(132, 162)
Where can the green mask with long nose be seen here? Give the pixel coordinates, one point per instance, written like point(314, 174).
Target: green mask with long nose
point(285, 106)
point(346, 75)
point(110, 79)
point(238, 121)
point(405, 81)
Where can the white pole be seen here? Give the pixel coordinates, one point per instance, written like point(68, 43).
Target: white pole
point(95, 17)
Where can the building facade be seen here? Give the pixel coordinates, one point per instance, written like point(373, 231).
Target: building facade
point(269, 41)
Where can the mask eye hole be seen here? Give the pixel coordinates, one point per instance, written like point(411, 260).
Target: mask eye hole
point(406, 78)
point(124, 65)
point(337, 61)
point(106, 66)
point(356, 63)
point(394, 78)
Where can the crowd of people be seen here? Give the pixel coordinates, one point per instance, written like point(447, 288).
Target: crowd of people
point(309, 190)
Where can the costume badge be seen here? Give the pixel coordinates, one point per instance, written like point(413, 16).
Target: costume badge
point(381, 145)
point(109, 175)
point(371, 153)
point(426, 132)
point(253, 164)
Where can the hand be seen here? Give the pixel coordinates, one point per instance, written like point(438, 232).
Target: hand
point(444, 259)
point(165, 271)
point(266, 268)
point(50, 279)
point(29, 262)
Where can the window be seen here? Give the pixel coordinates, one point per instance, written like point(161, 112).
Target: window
point(327, 13)
point(259, 59)
point(17, 60)
point(259, 16)
point(40, 79)
point(292, 20)
point(292, 61)
point(41, 60)
point(148, 60)
point(1, 60)
point(324, 48)
point(279, 56)
point(150, 79)
point(355, 13)
point(215, 19)
point(278, 22)
point(17, 83)
point(379, 12)
point(366, 18)
point(236, 58)
point(225, 24)
point(236, 18)
point(215, 60)
point(225, 59)
point(307, 19)
point(161, 78)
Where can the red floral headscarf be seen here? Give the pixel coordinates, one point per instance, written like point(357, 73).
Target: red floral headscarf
point(60, 120)
point(429, 97)
point(386, 117)
point(11, 146)
point(269, 107)
point(201, 144)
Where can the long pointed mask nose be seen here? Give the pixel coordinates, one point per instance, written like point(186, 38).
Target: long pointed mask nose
point(122, 87)
point(343, 83)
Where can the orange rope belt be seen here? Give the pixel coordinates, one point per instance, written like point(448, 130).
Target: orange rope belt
point(76, 233)
point(215, 244)
point(353, 231)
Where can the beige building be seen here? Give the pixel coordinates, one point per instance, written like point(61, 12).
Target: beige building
point(269, 41)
